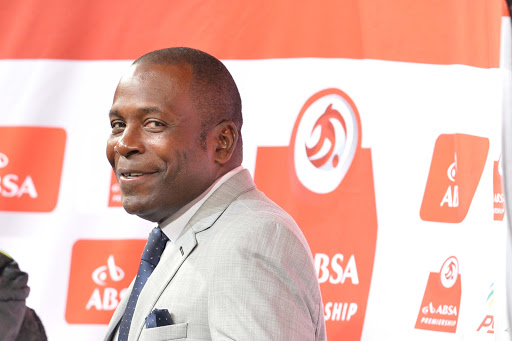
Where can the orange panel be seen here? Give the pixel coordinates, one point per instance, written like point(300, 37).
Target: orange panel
point(434, 32)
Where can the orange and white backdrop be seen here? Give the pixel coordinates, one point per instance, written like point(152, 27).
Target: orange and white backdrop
point(376, 124)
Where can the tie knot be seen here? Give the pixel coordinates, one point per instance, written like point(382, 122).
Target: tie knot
point(155, 246)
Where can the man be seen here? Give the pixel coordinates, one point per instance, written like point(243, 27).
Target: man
point(235, 266)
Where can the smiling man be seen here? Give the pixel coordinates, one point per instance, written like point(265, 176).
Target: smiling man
point(225, 262)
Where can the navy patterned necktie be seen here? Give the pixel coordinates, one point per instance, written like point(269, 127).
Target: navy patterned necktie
point(150, 257)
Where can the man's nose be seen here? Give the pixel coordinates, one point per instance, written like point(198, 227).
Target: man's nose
point(129, 143)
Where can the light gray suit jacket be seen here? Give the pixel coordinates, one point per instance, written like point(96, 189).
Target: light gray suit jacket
point(240, 270)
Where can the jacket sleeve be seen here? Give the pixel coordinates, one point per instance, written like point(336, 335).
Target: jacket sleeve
point(263, 286)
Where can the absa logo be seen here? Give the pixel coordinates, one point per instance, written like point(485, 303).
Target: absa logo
point(111, 297)
point(114, 198)
point(324, 180)
point(457, 165)
point(100, 274)
point(441, 301)
point(101, 271)
point(451, 197)
point(31, 160)
point(4, 160)
point(499, 196)
point(11, 186)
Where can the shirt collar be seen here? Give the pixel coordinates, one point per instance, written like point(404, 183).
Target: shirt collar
point(173, 225)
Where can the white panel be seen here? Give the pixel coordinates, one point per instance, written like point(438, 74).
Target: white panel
point(404, 107)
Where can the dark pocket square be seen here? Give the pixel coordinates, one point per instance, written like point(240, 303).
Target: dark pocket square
point(158, 318)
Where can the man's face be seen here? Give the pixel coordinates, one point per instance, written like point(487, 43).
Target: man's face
point(155, 148)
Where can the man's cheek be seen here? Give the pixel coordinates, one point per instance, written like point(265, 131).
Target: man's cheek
point(110, 155)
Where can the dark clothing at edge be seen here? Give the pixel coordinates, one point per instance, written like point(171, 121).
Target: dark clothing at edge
point(17, 321)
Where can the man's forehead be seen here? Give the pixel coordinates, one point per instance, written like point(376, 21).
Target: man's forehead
point(169, 79)
point(148, 71)
point(153, 88)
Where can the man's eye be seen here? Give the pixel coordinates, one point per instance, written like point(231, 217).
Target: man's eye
point(117, 125)
point(154, 124)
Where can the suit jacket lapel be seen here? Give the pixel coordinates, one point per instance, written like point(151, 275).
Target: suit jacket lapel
point(118, 313)
point(219, 201)
point(173, 257)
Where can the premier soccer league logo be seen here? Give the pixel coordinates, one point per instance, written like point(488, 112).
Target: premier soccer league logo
point(324, 179)
point(325, 140)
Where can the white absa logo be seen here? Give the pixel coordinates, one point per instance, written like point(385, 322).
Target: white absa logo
point(106, 298)
point(4, 160)
point(11, 185)
point(326, 139)
point(452, 169)
point(100, 274)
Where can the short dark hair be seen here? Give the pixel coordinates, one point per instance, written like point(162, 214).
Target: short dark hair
point(214, 90)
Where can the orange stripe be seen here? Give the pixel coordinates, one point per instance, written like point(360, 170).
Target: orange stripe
point(506, 11)
point(434, 32)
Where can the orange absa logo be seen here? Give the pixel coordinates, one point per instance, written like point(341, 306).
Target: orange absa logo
point(457, 165)
point(31, 160)
point(499, 197)
point(324, 180)
point(101, 271)
point(114, 198)
point(439, 309)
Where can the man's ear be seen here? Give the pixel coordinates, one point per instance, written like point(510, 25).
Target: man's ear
point(226, 135)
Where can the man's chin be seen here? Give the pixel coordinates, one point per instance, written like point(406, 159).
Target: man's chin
point(139, 209)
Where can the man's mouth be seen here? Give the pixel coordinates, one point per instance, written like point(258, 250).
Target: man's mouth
point(131, 175)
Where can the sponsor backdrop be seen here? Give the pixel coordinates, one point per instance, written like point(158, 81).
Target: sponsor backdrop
point(376, 124)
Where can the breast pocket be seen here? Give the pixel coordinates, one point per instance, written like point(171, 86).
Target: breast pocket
point(173, 332)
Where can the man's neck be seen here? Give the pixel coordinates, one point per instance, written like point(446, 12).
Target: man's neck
point(174, 224)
